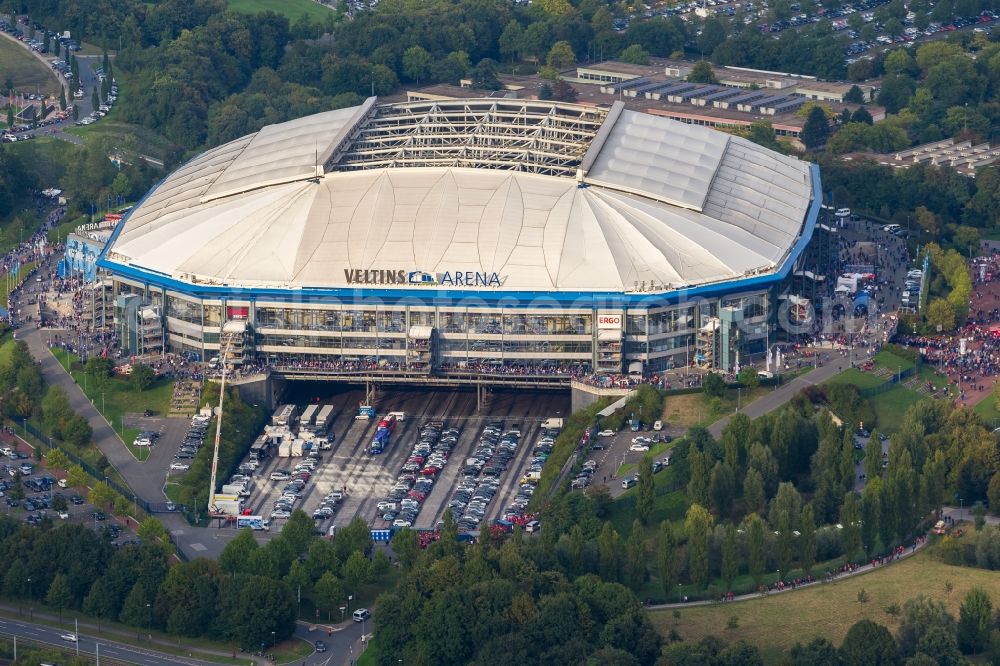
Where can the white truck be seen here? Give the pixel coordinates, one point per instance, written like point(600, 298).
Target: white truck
point(297, 447)
point(285, 449)
point(238, 489)
point(552, 423)
point(230, 505)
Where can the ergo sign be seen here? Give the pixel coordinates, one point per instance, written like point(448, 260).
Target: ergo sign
point(609, 321)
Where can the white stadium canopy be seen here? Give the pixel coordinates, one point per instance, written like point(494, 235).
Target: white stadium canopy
point(548, 196)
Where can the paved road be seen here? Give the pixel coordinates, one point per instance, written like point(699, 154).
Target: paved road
point(778, 397)
point(40, 633)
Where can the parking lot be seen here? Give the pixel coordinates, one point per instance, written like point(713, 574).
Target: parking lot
point(365, 480)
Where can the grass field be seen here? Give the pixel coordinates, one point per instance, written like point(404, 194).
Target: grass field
point(20, 66)
point(856, 377)
point(776, 623)
point(118, 398)
point(25, 269)
point(892, 362)
point(293, 9)
point(987, 409)
point(147, 142)
point(45, 155)
point(892, 405)
point(694, 409)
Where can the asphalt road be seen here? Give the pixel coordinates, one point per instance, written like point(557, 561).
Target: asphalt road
point(40, 633)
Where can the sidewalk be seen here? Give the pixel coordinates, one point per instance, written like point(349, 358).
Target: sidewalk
point(866, 568)
point(115, 634)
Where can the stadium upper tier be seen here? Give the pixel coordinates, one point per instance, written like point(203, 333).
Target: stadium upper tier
point(498, 194)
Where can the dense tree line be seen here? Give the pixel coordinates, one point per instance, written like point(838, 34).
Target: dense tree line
point(766, 495)
point(520, 601)
point(246, 596)
point(241, 424)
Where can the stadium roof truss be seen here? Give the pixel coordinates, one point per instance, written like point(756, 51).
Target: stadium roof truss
point(508, 134)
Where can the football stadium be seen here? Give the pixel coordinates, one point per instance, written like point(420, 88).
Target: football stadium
point(470, 240)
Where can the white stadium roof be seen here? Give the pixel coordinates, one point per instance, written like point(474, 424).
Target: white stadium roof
point(549, 196)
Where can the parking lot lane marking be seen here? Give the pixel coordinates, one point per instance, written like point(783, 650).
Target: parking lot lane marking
point(198, 547)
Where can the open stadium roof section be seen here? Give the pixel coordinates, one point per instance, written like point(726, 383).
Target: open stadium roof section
point(550, 196)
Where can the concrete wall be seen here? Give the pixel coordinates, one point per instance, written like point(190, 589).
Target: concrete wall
point(262, 389)
point(584, 395)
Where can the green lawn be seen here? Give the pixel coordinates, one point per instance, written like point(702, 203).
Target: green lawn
point(669, 505)
point(118, 397)
point(892, 362)
point(45, 155)
point(891, 405)
point(292, 650)
point(776, 623)
point(28, 74)
point(987, 409)
point(293, 9)
point(862, 380)
point(147, 142)
point(4, 286)
point(58, 234)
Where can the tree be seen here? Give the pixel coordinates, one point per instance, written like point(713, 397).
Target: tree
point(59, 595)
point(356, 570)
point(756, 546)
point(563, 91)
point(974, 619)
point(698, 523)
point(666, 557)
point(328, 593)
point(235, 556)
point(722, 488)
point(753, 491)
point(807, 540)
point(702, 72)
point(417, 63)
point(609, 553)
point(940, 645)
point(873, 457)
point(635, 55)
point(142, 377)
point(816, 128)
point(920, 615)
point(697, 486)
point(635, 557)
point(561, 55)
point(647, 490)
point(713, 385)
point(941, 314)
point(57, 459)
point(868, 644)
point(818, 652)
point(62, 99)
point(730, 556)
point(406, 547)
point(76, 477)
point(861, 115)
point(749, 377)
point(854, 95)
point(510, 39)
point(10, 116)
point(993, 492)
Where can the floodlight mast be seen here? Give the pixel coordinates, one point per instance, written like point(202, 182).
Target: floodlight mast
point(212, 508)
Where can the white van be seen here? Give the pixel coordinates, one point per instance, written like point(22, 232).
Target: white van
point(361, 615)
point(532, 526)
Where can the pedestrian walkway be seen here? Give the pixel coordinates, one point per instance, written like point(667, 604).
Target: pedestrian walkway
point(861, 569)
point(779, 396)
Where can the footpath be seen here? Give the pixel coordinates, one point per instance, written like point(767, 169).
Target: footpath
point(859, 570)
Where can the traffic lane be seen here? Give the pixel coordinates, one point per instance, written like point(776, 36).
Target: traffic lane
point(108, 649)
point(341, 641)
